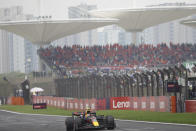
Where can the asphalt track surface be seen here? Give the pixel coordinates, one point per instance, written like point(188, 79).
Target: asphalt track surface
point(26, 122)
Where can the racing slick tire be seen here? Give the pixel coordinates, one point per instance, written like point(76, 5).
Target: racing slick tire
point(110, 122)
point(69, 122)
point(78, 122)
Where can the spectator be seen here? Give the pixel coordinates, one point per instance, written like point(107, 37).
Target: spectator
point(117, 55)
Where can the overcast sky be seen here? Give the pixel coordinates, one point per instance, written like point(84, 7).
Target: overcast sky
point(58, 8)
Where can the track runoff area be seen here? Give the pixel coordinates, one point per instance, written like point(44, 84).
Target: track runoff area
point(13, 121)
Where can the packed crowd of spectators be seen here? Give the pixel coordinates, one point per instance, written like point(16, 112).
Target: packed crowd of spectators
point(118, 55)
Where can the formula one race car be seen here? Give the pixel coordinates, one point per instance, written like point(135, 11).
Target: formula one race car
point(89, 120)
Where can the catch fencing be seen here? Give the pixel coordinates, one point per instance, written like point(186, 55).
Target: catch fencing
point(146, 84)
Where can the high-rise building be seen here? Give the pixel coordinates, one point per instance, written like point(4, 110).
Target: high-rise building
point(18, 54)
point(6, 43)
point(84, 38)
point(6, 40)
point(102, 36)
point(31, 57)
point(81, 11)
point(170, 32)
point(14, 54)
point(114, 34)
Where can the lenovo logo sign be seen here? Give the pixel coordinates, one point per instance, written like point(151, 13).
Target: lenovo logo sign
point(123, 104)
point(120, 103)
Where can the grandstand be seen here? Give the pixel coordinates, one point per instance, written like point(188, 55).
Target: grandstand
point(70, 58)
point(131, 56)
point(141, 76)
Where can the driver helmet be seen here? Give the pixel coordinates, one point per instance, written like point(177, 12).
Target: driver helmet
point(87, 111)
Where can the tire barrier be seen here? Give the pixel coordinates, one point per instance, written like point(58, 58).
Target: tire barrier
point(152, 103)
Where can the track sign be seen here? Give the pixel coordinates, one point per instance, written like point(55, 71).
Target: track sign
point(172, 86)
point(40, 106)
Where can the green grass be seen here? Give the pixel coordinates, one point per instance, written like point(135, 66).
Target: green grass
point(185, 118)
point(29, 109)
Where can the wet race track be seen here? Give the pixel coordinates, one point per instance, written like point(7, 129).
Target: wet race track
point(26, 122)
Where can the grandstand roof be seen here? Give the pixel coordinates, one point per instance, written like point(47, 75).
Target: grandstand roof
point(138, 19)
point(190, 22)
point(45, 31)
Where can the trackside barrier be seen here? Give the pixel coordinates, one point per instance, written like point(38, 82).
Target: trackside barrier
point(86, 103)
point(70, 104)
point(62, 103)
point(143, 103)
point(93, 104)
point(48, 98)
point(148, 103)
point(152, 103)
point(58, 102)
point(51, 101)
point(55, 102)
point(119, 103)
point(15, 101)
point(101, 104)
point(136, 103)
point(81, 104)
point(190, 105)
point(157, 107)
point(173, 104)
point(164, 103)
point(76, 104)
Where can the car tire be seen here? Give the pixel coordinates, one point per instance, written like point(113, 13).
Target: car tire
point(78, 122)
point(110, 122)
point(69, 122)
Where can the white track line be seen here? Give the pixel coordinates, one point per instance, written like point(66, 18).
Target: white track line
point(18, 113)
point(163, 123)
point(149, 122)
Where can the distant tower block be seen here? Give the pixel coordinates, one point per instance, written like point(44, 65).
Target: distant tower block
point(138, 19)
point(43, 66)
